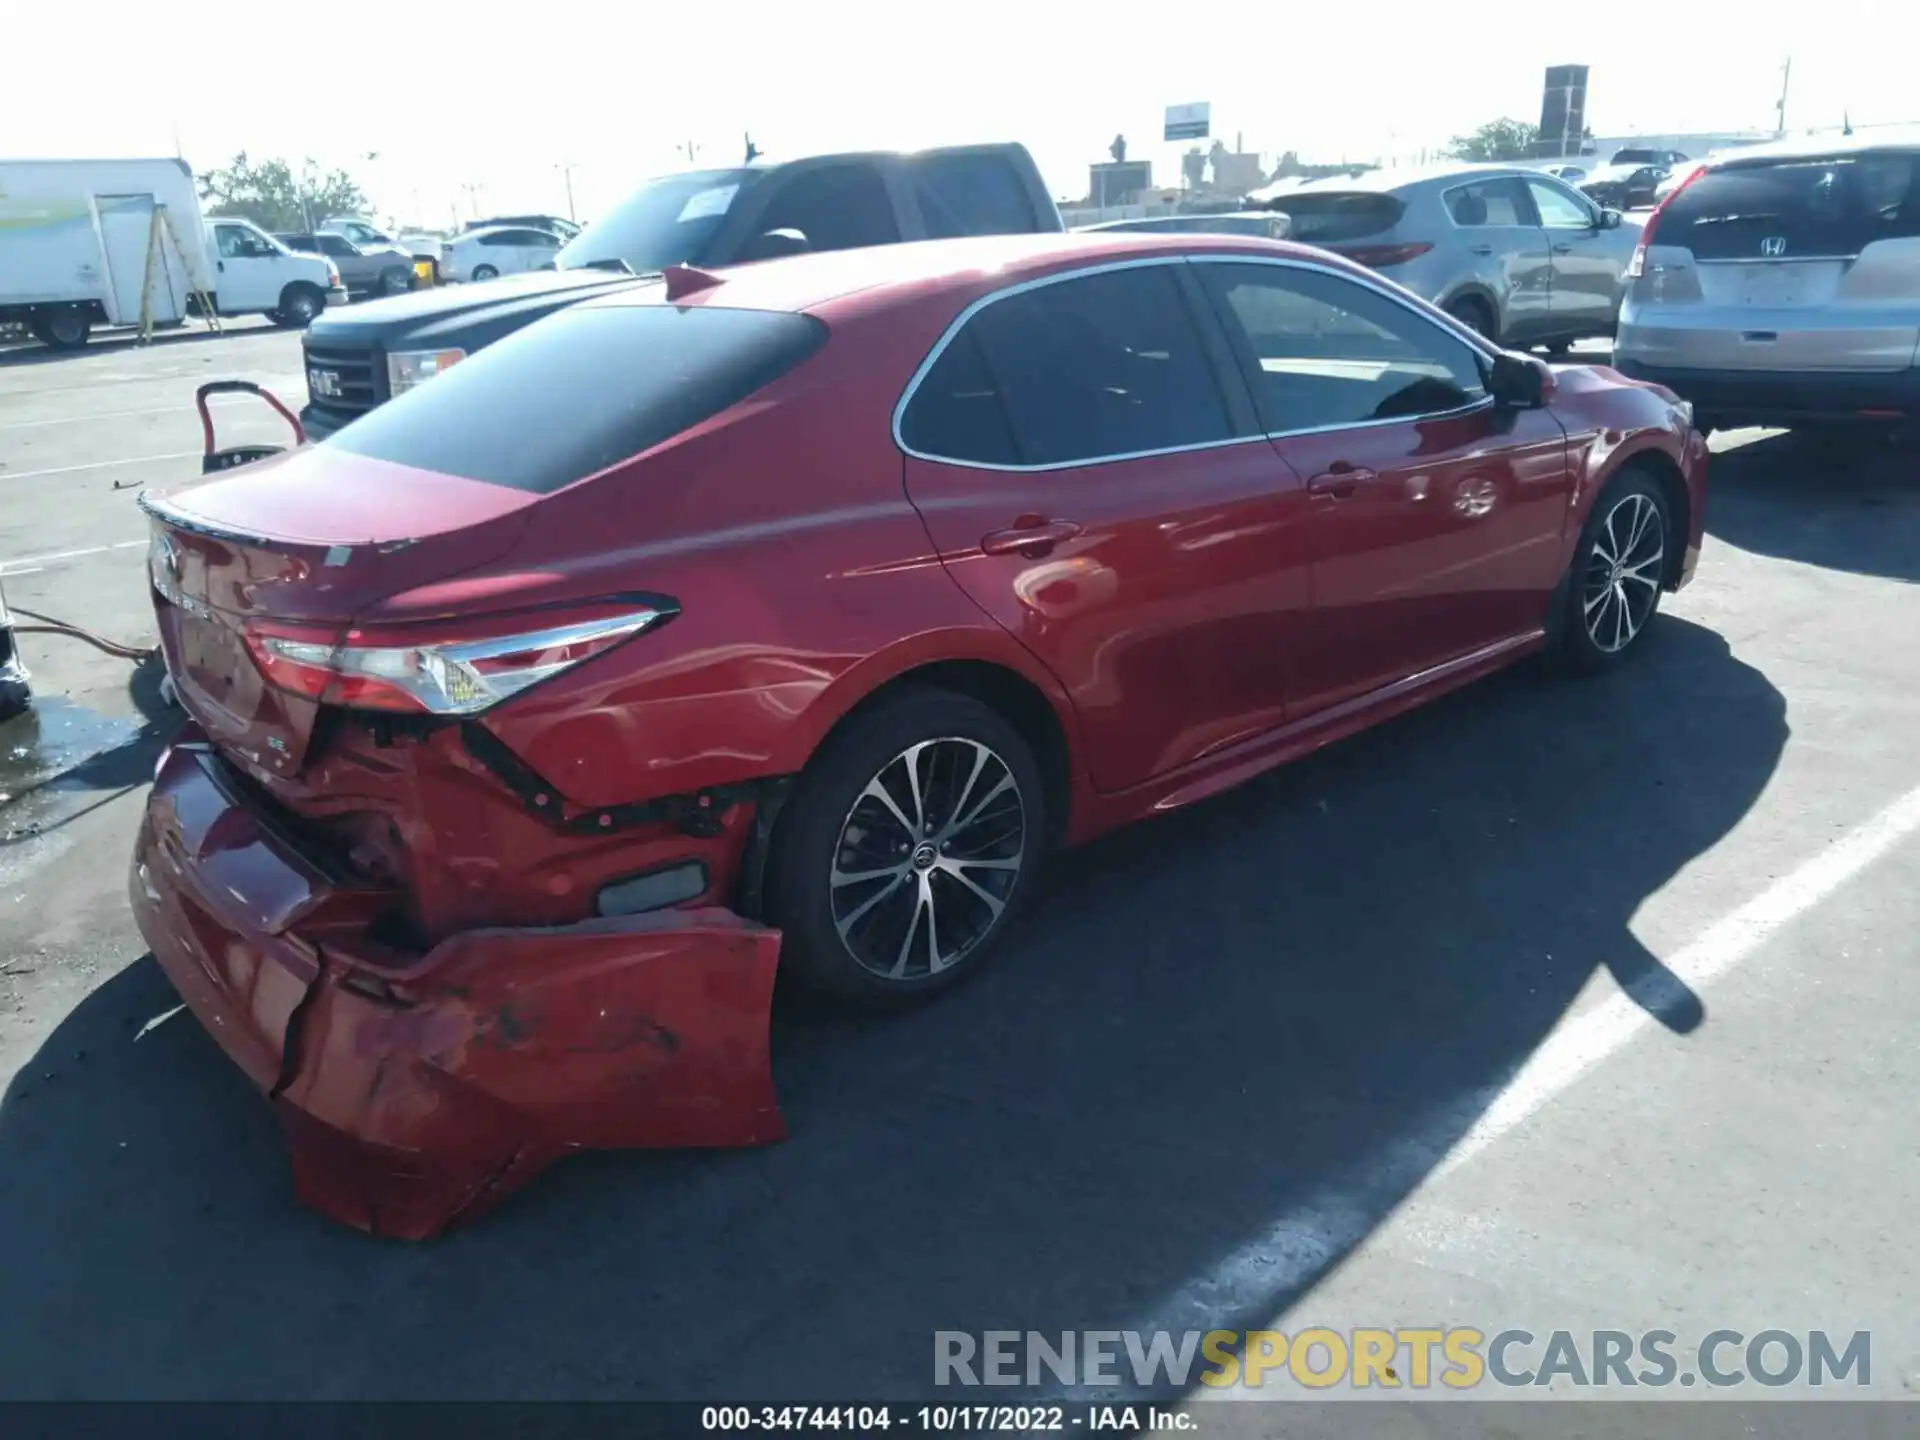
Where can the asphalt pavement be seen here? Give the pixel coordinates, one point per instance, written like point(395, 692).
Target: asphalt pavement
point(1555, 1005)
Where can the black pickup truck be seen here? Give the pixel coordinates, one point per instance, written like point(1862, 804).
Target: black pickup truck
point(360, 357)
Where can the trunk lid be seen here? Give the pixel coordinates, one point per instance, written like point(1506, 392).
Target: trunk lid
point(306, 540)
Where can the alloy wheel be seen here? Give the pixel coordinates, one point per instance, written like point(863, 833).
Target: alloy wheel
point(927, 858)
point(1624, 567)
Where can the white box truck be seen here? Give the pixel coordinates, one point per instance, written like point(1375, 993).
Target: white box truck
point(75, 237)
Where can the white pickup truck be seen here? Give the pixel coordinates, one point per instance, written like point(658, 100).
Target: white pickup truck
point(78, 249)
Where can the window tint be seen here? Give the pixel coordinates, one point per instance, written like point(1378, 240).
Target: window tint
point(1102, 365)
point(335, 245)
point(1836, 206)
point(557, 401)
point(1488, 202)
point(1559, 210)
point(956, 413)
point(971, 195)
point(1325, 350)
point(837, 207)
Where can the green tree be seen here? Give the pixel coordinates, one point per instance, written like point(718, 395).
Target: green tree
point(1504, 139)
point(272, 195)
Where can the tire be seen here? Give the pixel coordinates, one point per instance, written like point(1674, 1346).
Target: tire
point(394, 281)
point(867, 942)
point(300, 306)
point(1477, 316)
point(64, 327)
point(485, 272)
point(1606, 607)
point(1559, 349)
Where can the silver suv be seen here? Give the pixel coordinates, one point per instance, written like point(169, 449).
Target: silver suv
point(1514, 253)
point(1781, 286)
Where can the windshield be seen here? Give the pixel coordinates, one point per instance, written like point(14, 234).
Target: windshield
point(665, 222)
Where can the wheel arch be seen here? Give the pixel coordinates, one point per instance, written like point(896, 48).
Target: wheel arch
point(1480, 294)
point(1653, 461)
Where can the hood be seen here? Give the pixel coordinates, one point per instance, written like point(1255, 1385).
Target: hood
point(451, 313)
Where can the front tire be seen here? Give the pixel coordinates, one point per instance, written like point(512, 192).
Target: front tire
point(484, 272)
point(300, 306)
point(395, 281)
point(1613, 586)
point(906, 849)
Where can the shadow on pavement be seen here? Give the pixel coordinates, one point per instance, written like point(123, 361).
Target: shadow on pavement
point(1288, 1002)
point(105, 341)
point(1838, 502)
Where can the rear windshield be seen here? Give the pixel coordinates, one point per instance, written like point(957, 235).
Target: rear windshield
point(1795, 208)
point(1354, 215)
point(581, 390)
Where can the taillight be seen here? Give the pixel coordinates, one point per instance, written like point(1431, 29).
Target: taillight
point(460, 676)
point(1637, 266)
point(1377, 256)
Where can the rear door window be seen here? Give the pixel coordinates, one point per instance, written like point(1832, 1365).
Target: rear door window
point(1501, 201)
point(978, 194)
point(583, 389)
point(1092, 368)
point(1795, 208)
point(1322, 350)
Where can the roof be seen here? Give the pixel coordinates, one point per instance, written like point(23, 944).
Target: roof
point(1383, 181)
point(1861, 142)
point(925, 267)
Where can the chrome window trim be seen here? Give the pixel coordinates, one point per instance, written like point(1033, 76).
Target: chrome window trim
point(1472, 342)
point(1772, 259)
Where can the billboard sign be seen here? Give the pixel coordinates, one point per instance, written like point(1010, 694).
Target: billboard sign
point(1189, 122)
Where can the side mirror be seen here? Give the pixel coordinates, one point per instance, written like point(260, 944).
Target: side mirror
point(772, 244)
point(1519, 382)
point(1609, 218)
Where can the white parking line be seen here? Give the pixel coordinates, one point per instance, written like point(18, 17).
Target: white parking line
point(1293, 1253)
point(186, 409)
point(17, 567)
point(98, 465)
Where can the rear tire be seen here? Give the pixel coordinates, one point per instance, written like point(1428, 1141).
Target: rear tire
point(1612, 588)
point(1559, 349)
point(1477, 316)
point(62, 327)
point(936, 803)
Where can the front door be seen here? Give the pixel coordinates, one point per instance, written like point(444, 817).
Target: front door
point(1507, 252)
point(1435, 516)
point(249, 278)
point(1091, 474)
point(1588, 262)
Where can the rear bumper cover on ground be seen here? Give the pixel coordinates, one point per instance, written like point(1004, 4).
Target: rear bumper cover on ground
point(1728, 398)
point(415, 1096)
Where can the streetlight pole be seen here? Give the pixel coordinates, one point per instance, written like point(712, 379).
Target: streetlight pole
point(566, 169)
point(1786, 74)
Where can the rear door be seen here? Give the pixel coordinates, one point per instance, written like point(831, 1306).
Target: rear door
point(1090, 476)
point(1588, 261)
point(1790, 264)
point(1507, 250)
point(1435, 517)
point(971, 192)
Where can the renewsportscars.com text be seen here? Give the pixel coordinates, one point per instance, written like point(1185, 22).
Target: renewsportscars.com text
point(1460, 1357)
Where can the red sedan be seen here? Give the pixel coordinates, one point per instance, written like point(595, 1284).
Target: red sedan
point(796, 613)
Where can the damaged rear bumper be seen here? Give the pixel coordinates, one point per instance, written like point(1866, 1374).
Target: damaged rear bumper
point(417, 1092)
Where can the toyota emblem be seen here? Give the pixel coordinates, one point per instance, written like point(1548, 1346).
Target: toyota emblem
point(1774, 245)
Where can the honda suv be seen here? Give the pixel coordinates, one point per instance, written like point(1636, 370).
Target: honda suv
point(1781, 286)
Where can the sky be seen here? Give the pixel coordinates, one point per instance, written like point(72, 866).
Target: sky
point(478, 106)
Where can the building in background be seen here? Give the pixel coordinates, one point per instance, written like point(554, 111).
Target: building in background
point(1118, 182)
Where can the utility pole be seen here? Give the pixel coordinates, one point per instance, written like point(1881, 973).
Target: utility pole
point(1786, 74)
point(566, 169)
point(473, 196)
point(689, 149)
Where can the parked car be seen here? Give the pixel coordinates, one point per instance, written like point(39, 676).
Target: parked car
point(1517, 255)
point(1781, 285)
point(1675, 178)
point(486, 254)
point(1273, 224)
point(565, 229)
point(537, 716)
point(79, 240)
point(1661, 159)
point(364, 270)
point(419, 245)
point(1624, 187)
point(1569, 173)
point(701, 218)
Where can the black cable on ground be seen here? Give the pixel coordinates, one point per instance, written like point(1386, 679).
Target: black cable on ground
point(51, 626)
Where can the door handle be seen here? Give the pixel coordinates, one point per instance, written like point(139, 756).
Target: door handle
point(1340, 482)
point(1481, 249)
point(1030, 535)
point(221, 266)
point(1561, 247)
